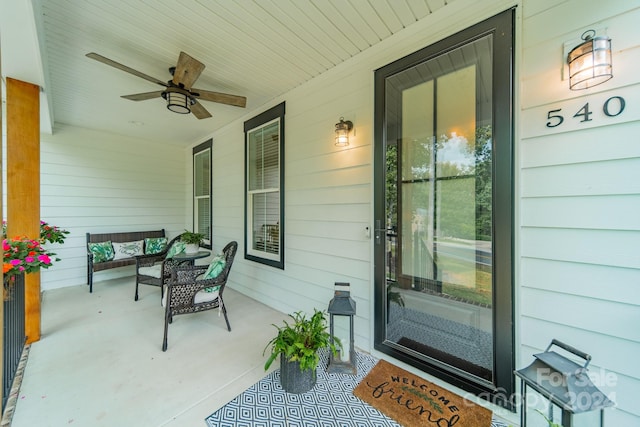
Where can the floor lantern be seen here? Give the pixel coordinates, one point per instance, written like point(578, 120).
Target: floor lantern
point(565, 386)
point(342, 305)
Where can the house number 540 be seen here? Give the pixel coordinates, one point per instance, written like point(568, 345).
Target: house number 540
point(612, 107)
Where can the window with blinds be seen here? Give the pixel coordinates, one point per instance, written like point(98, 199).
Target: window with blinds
point(202, 191)
point(264, 137)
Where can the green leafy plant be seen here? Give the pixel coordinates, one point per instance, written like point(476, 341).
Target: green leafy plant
point(192, 238)
point(301, 340)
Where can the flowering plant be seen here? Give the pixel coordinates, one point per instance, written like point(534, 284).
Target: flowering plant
point(52, 233)
point(24, 255)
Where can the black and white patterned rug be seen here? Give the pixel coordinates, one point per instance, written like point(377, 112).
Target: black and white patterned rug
point(331, 403)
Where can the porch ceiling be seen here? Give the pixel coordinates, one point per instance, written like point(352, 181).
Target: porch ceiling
point(259, 49)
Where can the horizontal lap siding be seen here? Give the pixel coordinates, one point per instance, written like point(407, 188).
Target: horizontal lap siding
point(579, 200)
point(95, 182)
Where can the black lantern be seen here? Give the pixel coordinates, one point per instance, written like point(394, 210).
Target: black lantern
point(590, 62)
point(564, 384)
point(342, 305)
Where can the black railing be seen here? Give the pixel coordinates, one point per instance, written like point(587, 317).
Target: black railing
point(14, 338)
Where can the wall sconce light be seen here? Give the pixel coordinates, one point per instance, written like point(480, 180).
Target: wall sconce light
point(590, 62)
point(342, 132)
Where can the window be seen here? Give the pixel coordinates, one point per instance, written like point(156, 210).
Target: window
point(202, 191)
point(264, 184)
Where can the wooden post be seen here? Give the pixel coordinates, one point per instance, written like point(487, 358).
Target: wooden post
point(23, 183)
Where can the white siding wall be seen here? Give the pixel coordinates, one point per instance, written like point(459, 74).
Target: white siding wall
point(579, 185)
point(98, 182)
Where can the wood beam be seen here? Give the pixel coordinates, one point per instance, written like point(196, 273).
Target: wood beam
point(23, 183)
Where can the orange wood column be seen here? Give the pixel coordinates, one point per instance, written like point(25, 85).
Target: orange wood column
point(23, 183)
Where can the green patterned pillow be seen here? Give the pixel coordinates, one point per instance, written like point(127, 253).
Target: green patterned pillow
point(154, 245)
point(215, 268)
point(176, 248)
point(102, 251)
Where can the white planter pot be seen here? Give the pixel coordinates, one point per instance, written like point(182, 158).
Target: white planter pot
point(192, 248)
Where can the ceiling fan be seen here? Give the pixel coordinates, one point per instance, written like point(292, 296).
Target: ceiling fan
point(181, 97)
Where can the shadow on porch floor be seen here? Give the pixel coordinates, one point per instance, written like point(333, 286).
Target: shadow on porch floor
point(100, 363)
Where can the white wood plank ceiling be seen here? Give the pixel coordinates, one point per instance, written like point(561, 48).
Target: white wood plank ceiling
point(259, 49)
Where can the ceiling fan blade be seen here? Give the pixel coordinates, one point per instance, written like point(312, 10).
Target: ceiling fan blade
point(143, 96)
point(199, 111)
point(119, 66)
point(222, 98)
point(187, 71)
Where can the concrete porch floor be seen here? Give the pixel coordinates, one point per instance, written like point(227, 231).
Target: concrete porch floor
point(100, 362)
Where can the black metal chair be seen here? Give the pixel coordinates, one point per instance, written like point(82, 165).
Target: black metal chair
point(186, 290)
point(154, 269)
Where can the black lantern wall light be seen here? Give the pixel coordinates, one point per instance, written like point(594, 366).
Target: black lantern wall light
point(342, 305)
point(342, 132)
point(590, 62)
point(565, 385)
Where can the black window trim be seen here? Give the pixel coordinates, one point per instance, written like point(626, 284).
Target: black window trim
point(207, 145)
point(276, 112)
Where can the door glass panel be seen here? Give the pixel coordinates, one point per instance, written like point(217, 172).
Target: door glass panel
point(438, 202)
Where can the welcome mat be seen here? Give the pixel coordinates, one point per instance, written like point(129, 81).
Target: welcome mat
point(415, 402)
point(331, 403)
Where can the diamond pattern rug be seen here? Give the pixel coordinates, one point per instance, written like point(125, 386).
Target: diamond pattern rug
point(330, 403)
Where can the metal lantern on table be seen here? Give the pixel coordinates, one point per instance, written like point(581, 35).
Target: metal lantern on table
point(342, 305)
point(565, 385)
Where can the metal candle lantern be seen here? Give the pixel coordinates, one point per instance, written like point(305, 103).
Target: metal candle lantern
point(342, 305)
point(564, 383)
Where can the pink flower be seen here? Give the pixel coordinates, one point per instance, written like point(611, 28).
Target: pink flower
point(29, 259)
point(44, 258)
point(15, 262)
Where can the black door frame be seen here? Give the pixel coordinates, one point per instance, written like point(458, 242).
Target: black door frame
point(501, 390)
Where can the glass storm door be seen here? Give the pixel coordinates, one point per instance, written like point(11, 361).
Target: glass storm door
point(436, 226)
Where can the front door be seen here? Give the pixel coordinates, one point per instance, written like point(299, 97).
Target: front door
point(444, 207)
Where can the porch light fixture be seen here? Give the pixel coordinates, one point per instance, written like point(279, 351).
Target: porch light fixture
point(178, 101)
point(565, 385)
point(342, 305)
point(590, 62)
point(342, 132)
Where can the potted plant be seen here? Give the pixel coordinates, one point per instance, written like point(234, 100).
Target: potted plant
point(297, 344)
point(192, 241)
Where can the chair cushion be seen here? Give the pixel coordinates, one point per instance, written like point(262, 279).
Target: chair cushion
point(153, 271)
point(102, 251)
point(127, 249)
point(176, 248)
point(206, 296)
point(200, 297)
point(154, 245)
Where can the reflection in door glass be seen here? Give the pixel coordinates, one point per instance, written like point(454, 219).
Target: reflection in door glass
point(438, 209)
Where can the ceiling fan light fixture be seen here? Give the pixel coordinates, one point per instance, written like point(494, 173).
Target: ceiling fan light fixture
point(178, 102)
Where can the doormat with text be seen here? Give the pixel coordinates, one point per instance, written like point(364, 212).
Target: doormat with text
point(415, 402)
